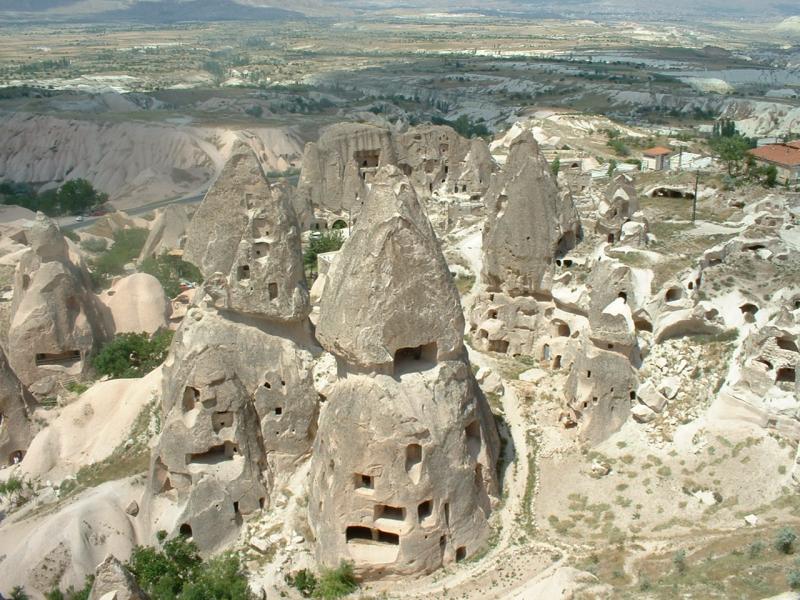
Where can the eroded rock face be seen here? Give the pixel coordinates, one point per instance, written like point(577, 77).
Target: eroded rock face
point(16, 405)
point(403, 468)
point(239, 401)
point(168, 231)
point(338, 169)
point(114, 582)
point(528, 223)
point(137, 303)
point(337, 166)
point(255, 266)
point(211, 455)
point(379, 303)
point(599, 392)
point(56, 321)
point(617, 208)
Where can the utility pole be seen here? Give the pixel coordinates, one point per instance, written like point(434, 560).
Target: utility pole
point(694, 200)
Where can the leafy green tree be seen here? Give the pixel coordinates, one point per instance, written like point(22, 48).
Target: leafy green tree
point(731, 150)
point(77, 196)
point(170, 271)
point(330, 241)
point(133, 354)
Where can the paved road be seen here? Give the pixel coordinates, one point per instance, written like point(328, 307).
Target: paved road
point(70, 223)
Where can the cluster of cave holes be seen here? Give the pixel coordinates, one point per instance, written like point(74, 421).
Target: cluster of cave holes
point(546, 354)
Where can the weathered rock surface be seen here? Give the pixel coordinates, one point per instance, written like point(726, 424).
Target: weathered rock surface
point(373, 308)
point(403, 468)
point(56, 321)
point(168, 231)
point(137, 303)
point(16, 405)
point(246, 242)
point(114, 582)
point(528, 223)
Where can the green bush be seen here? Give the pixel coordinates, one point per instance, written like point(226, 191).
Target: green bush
point(330, 241)
point(127, 246)
point(304, 581)
point(18, 594)
point(793, 579)
point(72, 593)
point(95, 245)
point(178, 573)
point(11, 487)
point(784, 541)
point(336, 583)
point(679, 561)
point(170, 271)
point(131, 355)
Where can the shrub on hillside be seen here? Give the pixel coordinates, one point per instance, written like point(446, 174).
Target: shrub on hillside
point(131, 355)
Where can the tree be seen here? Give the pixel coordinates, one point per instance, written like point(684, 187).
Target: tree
point(330, 241)
point(19, 594)
point(77, 196)
point(731, 150)
point(612, 167)
point(133, 354)
point(771, 174)
point(170, 271)
point(555, 166)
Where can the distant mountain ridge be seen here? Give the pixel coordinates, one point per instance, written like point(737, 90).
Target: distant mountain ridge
point(214, 10)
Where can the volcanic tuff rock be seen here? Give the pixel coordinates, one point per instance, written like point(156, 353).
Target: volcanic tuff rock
point(168, 231)
point(137, 303)
point(114, 582)
point(339, 167)
point(246, 242)
point(56, 321)
point(239, 402)
point(16, 405)
point(379, 302)
point(403, 468)
point(528, 223)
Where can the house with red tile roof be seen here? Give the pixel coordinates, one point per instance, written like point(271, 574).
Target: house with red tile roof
point(785, 157)
point(656, 159)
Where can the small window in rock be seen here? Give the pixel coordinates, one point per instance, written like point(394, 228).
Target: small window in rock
point(610, 238)
point(388, 538)
point(356, 532)
point(414, 461)
point(632, 395)
point(268, 385)
point(236, 507)
point(595, 400)
point(499, 346)
point(278, 410)
point(588, 374)
point(273, 290)
point(260, 249)
point(262, 503)
point(365, 482)
point(461, 553)
point(546, 352)
point(185, 530)
point(243, 273)
point(221, 420)
point(16, 457)
point(415, 359)
point(190, 397)
point(447, 514)
point(785, 375)
point(673, 294)
point(624, 297)
point(425, 510)
point(562, 330)
point(393, 513)
point(557, 362)
point(610, 346)
point(492, 314)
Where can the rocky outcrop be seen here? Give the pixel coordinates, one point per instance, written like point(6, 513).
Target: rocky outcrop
point(239, 402)
point(113, 581)
point(16, 405)
point(56, 321)
point(403, 468)
point(393, 244)
point(616, 208)
point(137, 303)
point(338, 169)
point(246, 241)
point(528, 224)
point(168, 231)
